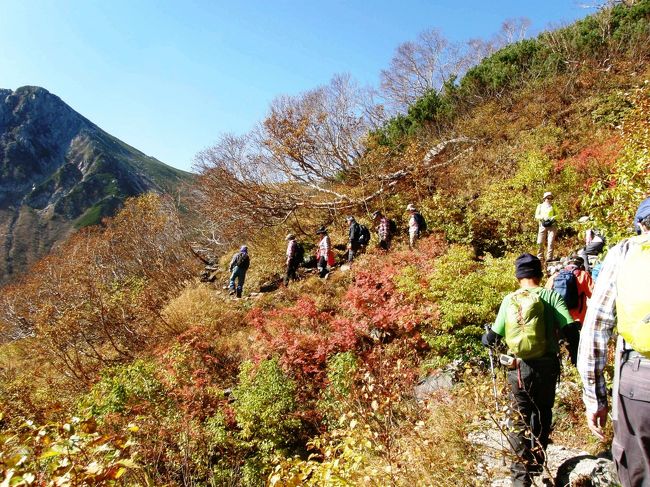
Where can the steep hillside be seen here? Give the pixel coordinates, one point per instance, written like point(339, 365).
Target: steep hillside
point(159, 379)
point(60, 172)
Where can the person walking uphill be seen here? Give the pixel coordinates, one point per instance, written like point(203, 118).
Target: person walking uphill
point(354, 235)
point(324, 255)
point(295, 255)
point(546, 216)
point(621, 299)
point(385, 229)
point(417, 225)
point(238, 267)
point(528, 320)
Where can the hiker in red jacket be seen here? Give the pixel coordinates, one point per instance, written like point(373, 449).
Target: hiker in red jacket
point(585, 286)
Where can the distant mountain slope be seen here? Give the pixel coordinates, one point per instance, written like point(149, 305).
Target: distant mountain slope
point(60, 172)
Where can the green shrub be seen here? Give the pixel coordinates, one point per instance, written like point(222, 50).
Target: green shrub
point(468, 293)
point(123, 387)
point(264, 407)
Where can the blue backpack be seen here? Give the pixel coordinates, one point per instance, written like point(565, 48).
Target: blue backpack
point(566, 285)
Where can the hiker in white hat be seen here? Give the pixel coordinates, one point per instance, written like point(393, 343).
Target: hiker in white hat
point(546, 216)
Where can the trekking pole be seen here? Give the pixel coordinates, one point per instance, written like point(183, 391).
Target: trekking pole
point(496, 398)
point(494, 375)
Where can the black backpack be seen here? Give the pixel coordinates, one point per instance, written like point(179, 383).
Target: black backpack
point(392, 227)
point(364, 235)
point(299, 254)
point(421, 222)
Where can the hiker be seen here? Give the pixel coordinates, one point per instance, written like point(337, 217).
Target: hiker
point(574, 290)
point(546, 216)
point(295, 255)
point(386, 229)
point(621, 299)
point(238, 267)
point(324, 254)
point(354, 235)
point(528, 320)
point(417, 225)
point(594, 243)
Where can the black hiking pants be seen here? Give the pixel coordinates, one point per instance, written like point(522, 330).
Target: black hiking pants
point(532, 386)
point(292, 268)
point(322, 267)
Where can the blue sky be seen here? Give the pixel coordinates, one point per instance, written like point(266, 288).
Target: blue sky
point(168, 77)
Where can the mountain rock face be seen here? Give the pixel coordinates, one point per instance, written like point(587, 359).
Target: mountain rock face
point(60, 172)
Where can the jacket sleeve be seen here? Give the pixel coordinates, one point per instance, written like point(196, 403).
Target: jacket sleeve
point(538, 213)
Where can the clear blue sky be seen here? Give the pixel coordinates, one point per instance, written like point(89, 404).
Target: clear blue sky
point(169, 76)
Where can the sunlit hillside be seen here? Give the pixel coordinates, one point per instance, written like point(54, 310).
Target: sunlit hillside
point(133, 371)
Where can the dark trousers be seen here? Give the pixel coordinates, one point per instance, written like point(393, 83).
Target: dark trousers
point(533, 394)
point(631, 445)
point(292, 268)
point(322, 266)
point(354, 249)
point(384, 244)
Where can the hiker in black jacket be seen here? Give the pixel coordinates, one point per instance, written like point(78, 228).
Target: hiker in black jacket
point(238, 267)
point(353, 238)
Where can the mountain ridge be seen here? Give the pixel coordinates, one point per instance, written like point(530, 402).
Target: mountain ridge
point(60, 172)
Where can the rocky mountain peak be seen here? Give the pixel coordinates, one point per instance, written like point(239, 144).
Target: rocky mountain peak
point(59, 171)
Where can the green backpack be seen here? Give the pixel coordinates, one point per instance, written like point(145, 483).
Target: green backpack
point(633, 296)
point(525, 326)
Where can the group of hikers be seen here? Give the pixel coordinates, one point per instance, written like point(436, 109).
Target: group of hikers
point(575, 307)
point(358, 239)
point(584, 313)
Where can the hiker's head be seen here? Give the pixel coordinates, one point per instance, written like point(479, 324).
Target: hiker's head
point(243, 249)
point(321, 231)
point(411, 207)
point(376, 215)
point(290, 236)
point(527, 266)
point(350, 220)
point(548, 197)
point(576, 260)
point(642, 217)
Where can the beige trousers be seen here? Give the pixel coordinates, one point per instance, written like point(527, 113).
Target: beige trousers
point(548, 234)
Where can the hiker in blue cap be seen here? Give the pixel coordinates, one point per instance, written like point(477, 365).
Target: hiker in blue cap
point(621, 299)
point(238, 267)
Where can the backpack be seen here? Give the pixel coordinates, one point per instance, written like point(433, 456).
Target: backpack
point(421, 222)
point(299, 254)
point(392, 227)
point(525, 326)
point(242, 260)
point(595, 270)
point(364, 235)
point(597, 233)
point(632, 301)
point(566, 285)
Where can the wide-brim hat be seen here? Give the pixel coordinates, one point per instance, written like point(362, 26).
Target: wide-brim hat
point(321, 230)
point(290, 236)
point(376, 213)
point(548, 194)
point(411, 207)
